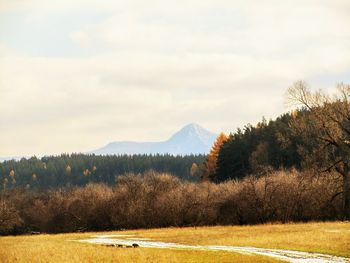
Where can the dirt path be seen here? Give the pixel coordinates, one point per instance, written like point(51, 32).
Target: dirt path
point(285, 255)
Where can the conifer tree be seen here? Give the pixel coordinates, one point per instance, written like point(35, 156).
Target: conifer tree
point(211, 161)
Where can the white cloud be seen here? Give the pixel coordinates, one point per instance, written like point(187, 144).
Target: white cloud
point(158, 65)
point(80, 38)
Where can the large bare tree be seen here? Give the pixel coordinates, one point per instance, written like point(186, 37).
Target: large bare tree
point(325, 126)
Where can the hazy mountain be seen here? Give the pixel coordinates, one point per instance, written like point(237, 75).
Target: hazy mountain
point(16, 158)
point(191, 139)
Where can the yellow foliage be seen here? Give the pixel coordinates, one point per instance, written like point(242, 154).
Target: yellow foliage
point(12, 173)
point(194, 169)
point(68, 169)
point(34, 177)
point(86, 172)
point(210, 164)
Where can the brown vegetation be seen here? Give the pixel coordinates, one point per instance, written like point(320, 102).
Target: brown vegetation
point(160, 200)
point(326, 129)
point(210, 163)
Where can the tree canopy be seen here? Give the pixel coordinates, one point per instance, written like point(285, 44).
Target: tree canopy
point(326, 132)
point(80, 169)
point(255, 148)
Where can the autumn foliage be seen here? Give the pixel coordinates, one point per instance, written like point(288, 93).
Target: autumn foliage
point(210, 164)
point(160, 200)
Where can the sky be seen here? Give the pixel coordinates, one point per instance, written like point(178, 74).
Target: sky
point(77, 74)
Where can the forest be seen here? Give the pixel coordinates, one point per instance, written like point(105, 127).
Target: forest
point(271, 172)
point(80, 169)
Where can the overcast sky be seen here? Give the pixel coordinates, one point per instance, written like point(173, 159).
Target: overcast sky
point(77, 74)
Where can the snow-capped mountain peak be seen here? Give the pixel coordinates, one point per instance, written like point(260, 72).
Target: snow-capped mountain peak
point(195, 132)
point(191, 139)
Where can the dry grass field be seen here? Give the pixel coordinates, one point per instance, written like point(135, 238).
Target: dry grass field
point(329, 238)
point(56, 248)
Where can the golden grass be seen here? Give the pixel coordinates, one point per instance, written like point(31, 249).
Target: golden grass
point(56, 248)
point(330, 238)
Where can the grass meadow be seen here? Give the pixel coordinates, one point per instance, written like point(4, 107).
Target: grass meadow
point(329, 238)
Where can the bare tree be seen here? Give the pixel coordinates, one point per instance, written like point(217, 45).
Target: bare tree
point(325, 125)
point(9, 217)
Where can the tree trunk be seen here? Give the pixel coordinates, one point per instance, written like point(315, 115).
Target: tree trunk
point(346, 195)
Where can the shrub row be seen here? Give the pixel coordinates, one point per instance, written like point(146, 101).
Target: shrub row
point(161, 200)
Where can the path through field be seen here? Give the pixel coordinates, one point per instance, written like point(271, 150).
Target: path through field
point(285, 255)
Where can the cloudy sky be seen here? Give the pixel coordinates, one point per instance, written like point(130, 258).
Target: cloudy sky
point(77, 74)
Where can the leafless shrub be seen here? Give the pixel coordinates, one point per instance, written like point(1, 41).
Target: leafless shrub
point(9, 217)
point(161, 200)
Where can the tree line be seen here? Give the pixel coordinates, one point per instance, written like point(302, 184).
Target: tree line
point(161, 200)
point(315, 135)
point(254, 149)
point(80, 169)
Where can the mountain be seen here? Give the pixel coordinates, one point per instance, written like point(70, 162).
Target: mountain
point(15, 158)
point(191, 139)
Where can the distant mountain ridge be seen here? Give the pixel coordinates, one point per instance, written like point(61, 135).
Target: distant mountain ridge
point(15, 158)
point(191, 139)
